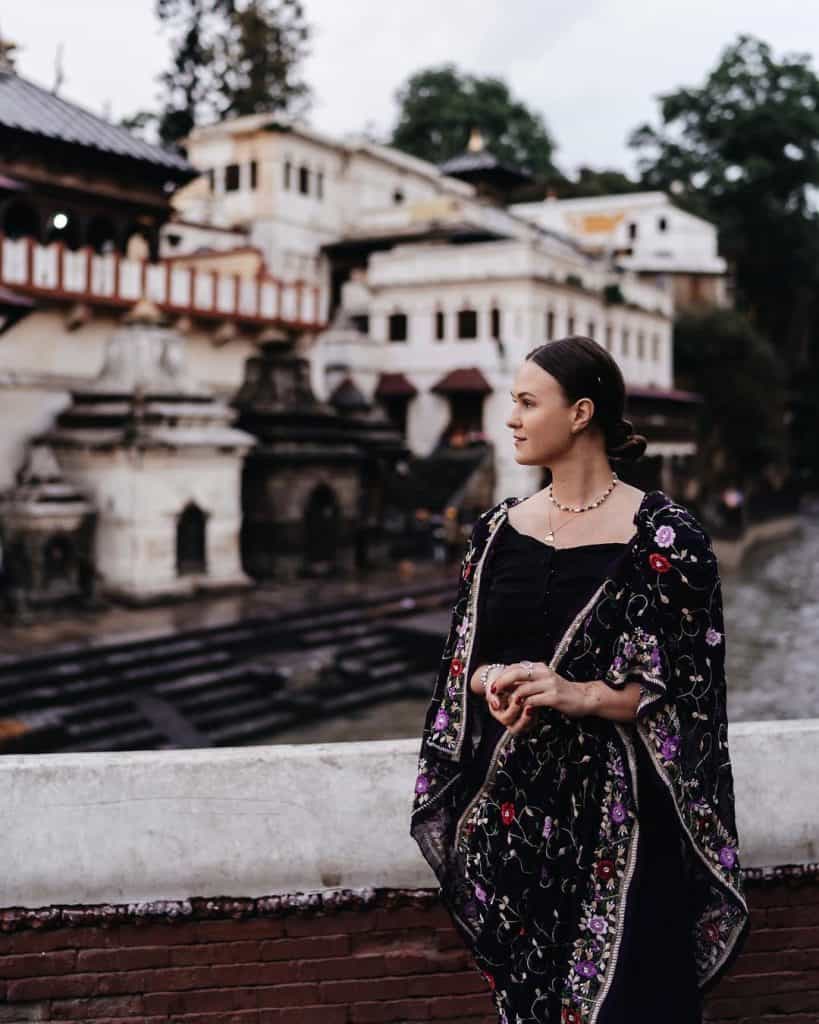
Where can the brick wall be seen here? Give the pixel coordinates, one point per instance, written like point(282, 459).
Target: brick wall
point(349, 957)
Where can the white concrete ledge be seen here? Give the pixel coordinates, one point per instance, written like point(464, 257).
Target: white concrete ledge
point(253, 821)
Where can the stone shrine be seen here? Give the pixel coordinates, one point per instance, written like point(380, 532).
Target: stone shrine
point(157, 453)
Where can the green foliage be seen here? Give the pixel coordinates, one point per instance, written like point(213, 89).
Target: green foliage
point(229, 59)
point(743, 149)
point(721, 355)
point(590, 182)
point(260, 53)
point(439, 106)
point(613, 295)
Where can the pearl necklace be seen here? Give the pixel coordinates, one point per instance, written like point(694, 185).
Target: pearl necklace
point(550, 536)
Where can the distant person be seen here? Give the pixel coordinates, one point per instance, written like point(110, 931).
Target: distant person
point(583, 673)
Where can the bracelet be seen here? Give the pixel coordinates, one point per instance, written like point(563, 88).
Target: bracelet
point(483, 678)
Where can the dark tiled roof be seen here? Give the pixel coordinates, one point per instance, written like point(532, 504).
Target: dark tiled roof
point(469, 379)
point(669, 394)
point(393, 384)
point(470, 164)
point(27, 107)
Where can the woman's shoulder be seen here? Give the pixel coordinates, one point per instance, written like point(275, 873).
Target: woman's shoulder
point(665, 520)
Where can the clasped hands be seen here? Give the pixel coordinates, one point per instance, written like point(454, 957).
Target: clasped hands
point(514, 693)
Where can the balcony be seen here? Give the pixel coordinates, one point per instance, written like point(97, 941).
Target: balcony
point(110, 280)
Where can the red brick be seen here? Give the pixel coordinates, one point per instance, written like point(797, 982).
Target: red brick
point(92, 1009)
point(241, 930)
point(215, 953)
point(381, 942)
point(315, 947)
point(446, 984)
point(299, 994)
point(448, 938)
point(129, 959)
point(345, 922)
point(278, 972)
point(341, 967)
point(398, 919)
point(365, 989)
point(453, 1006)
point(230, 1017)
point(784, 895)
point(57, 986)
point(791, 917)
point(400, 1010)
point(305, 1015)
point(432, 961)
point(111, 1020)
point(781, 938)
point(35, 965)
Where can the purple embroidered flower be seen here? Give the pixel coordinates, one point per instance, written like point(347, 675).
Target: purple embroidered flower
point(664, 537)
point(441, 721)
point(655, 657)
point(712, 636)
point(586, 969)
point(422, 784)
point(618, 813)
point(629, 649)
point(728, 856)
point(480, 892)
point(670, 748)
point(463, 627)
point(619, 662)
point(598, 925)
point(547, 827)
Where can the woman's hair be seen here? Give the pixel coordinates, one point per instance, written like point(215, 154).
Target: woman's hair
point(585, 369)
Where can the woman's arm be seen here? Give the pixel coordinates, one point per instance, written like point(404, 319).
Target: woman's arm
point(605, 702)
point(546, 688)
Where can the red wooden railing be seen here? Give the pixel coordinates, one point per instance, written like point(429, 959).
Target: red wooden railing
point(83, 275)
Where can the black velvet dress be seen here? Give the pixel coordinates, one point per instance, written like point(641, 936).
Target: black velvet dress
point(531, 593)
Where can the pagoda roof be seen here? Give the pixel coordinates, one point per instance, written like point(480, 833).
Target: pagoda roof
point(27, 107)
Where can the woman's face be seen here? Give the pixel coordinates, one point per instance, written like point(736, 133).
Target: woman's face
point(541, 419)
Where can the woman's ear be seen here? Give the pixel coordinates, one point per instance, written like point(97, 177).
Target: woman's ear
point(582, 413)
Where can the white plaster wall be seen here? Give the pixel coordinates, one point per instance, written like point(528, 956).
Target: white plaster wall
point(253, 821)
point(140, 496)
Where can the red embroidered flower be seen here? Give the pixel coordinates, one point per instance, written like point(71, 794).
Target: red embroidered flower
point(490, 981)
point(604, 869)
point(659, 563)
point(467, 571)
point(507, 812)
point(457, 666)
point(710, 931)
point(570, 1016)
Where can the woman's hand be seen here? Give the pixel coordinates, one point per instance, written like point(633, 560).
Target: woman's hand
point(526, 692)
point(499, 705)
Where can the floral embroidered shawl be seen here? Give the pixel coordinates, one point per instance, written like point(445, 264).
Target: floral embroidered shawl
point(554, 824)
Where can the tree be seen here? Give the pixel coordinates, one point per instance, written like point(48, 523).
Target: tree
point(439, 107)
point(719, 354)
point(228, 59)
point(743, 149)
point(591, 182)
point(260, 55)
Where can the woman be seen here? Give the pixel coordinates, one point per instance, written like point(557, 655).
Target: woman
point(574, 793)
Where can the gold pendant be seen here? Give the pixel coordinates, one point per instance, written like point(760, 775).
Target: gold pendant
point(550, 537)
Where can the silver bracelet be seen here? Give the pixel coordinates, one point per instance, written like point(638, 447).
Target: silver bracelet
point(483, 678)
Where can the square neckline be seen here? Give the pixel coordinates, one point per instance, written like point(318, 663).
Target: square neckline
point(573, 547)
point(576, 547)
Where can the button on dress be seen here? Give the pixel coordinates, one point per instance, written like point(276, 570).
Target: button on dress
point(530, 593)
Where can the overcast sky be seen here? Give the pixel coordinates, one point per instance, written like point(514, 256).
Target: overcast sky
point(591, 67)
